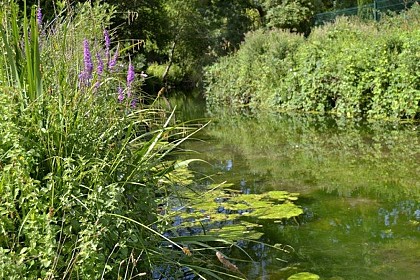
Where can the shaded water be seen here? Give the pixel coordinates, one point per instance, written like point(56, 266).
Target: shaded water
point(359, 186)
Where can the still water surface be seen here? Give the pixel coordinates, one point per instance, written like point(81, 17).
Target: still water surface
point(359, 187)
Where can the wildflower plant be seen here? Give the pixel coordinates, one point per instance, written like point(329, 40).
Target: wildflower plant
point(39, 17)
point(86, 76)
point(130, 79)
point(80, 175)
point(107, 40)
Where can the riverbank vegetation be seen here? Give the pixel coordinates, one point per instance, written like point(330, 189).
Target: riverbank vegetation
point(89, 184)
point(349, 68)
point(190, 34)
point(86, 182)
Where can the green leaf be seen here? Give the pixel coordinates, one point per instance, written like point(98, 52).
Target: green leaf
point(304, 276)
point(277, 212)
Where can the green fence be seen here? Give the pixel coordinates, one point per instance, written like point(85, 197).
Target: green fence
point(370, 11)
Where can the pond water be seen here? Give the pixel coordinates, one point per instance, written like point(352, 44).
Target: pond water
point(359, 186)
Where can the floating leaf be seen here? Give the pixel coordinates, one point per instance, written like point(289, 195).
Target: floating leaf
point(281, 195)
point(277, 212)
point(304, 276)
point(219, 209)
point(238, 232)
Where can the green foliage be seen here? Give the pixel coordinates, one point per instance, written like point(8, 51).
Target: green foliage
point(258, 66)
point(292, 15)
point(175, 74)
point(81, 173)
point(304, 276)
point(349, 68)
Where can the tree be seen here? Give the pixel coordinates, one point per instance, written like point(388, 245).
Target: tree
point(295, 15)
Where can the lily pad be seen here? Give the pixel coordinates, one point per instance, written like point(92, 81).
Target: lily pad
point(281, 195)
point(277, 212)
point(238, 231)
point(220, 209)
point(304, 276)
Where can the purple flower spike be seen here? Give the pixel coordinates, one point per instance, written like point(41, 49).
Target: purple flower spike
point(130, 74)
point(39, 17)
point(107, 44)
point(113, 61)
point(133, 103)
point(120, 94)
point(130, 78)
point(87, 58)
point(100, 68)
point(86, 74)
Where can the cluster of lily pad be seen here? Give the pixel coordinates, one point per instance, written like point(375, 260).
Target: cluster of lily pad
point(229, 213)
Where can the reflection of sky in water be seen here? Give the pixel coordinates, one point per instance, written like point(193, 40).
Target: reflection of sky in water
point(229, 164)
point(244, 188)
point(409, 209)
point(225, 165)
point(417, 214)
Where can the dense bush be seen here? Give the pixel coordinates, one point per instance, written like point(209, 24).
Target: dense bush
point(349, 68)
point(251, 74)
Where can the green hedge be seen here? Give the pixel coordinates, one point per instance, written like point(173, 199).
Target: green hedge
point(349, 68)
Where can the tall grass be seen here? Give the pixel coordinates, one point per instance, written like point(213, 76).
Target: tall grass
point(83, 163)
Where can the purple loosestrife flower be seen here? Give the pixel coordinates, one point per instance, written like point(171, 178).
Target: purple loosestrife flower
point(100, 68)
point(133, 103)
point(130, 74)
point(87, 58)
point(107, 44)
point(39, 17)
point(130, 78)
point(86, 75)
point(113, 61)
point(120, 94)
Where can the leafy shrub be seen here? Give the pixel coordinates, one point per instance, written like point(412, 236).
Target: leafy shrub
point(349, 68)
point(258, 66)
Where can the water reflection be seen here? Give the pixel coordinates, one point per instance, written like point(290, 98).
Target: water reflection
point(359, 185)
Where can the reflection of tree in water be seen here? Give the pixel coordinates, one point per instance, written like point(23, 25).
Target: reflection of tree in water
point(349, 236)
point(302, 152)
point(359, 185)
